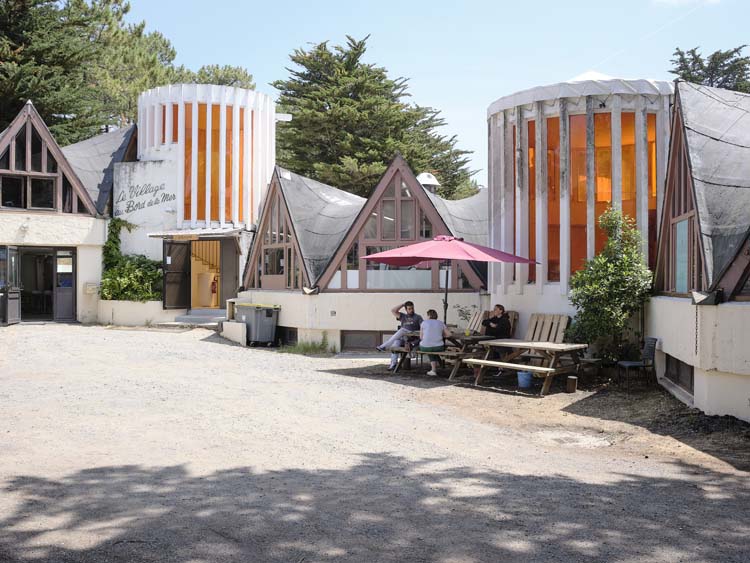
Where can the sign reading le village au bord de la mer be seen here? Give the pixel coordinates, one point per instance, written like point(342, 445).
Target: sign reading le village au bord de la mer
point(140, 197)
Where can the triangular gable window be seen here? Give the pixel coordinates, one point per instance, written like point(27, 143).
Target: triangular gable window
point(36, 151)
point(5, 159)
point(398, 213)
point(21, 150)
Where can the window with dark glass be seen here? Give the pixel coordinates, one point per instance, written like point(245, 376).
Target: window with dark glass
point(425, 227)
point(81, 206)
point(5, 159)
point(67, 203)
point(388, 208)
point(12, 191)
point(43, 193)
point(21, 150)
point(36, 151)
point(51, 164)
point(273, 261)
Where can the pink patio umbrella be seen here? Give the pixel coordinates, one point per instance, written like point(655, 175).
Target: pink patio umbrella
point(444, 247)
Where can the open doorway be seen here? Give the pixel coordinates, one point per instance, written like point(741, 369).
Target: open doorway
point(205, 274)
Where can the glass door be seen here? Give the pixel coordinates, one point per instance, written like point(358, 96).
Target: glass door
point(65, 286)
point(10, 265)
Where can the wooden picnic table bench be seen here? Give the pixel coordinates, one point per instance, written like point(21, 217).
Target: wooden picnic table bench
point(463, 347)
point(557, 358)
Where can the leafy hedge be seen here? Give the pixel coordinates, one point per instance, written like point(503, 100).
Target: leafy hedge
point(128, 278)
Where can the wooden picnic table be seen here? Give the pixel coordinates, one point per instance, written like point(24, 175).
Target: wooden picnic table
point(463, 342)
point(557, 358)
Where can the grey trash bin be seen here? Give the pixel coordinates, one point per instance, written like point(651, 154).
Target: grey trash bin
point(261, 321)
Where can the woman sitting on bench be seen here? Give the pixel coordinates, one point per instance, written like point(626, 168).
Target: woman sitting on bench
point(431, 335)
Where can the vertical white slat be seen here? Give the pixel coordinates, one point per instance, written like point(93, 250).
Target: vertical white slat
point(491, 208)
point(141, 137)
point(256, 158)
point(662, 154)
point(564, 197)
point(269, 119)
point(194, 162)
point(271, 138)
point(507, 188)
point(616, 116)
point(159, 117)
point(235, 157)
point(147, 129)
point(222, 155)
point(169, 124)
point(246, 182)
point(181, 160)
point(522, 199)
point(209, 148)
point(641, 171)
point(541, 211)
point(590, 180)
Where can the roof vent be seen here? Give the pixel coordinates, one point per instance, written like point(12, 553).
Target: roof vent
point(428, 181)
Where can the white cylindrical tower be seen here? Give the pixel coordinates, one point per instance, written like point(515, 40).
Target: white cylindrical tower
point(223, 139)
point(559, 155)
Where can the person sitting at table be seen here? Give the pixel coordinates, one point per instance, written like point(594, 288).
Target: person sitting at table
point(497, 326)
point(498, 323)
point(431, 335)
point(410, 322)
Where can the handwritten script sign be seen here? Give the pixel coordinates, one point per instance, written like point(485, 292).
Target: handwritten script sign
point(142, 196)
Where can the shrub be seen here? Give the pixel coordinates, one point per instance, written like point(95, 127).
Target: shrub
point(128, 278)
point(611, 287)
point(133, 278)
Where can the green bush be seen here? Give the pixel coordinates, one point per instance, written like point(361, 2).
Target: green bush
point(128, 278)
point(611, 288)
point(133, 278)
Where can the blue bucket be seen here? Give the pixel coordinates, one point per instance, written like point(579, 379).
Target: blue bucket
point(524, 379)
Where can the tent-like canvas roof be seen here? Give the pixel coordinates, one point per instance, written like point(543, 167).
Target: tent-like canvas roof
point(321, 216)
point(717, 133)
point(93, 161)
point(466, 218)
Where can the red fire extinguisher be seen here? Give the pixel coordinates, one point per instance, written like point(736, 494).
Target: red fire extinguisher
point(214, 286)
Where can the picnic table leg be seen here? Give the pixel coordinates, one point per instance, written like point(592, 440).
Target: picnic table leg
point(478, 379)
point(456, 367)
point(401, 360)
point(547, 384)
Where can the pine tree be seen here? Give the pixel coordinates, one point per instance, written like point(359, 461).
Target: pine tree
point(721, 69)
point(350, 118)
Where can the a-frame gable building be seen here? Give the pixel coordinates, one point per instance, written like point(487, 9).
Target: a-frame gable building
point(34, 173)
point(397, 213)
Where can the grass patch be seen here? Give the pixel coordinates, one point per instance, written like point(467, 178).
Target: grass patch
point(309, 348)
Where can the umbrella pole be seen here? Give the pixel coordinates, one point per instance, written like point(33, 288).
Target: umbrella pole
point(445, 299)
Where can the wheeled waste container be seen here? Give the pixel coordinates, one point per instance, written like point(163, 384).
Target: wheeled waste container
point(260, 320)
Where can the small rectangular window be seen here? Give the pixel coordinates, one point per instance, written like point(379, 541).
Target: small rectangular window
point(12, 192)
point(425, 227)
point(389, 219)
point(681, 256)
point(43, 193)
point(273, 259)
point(5, 159)
point(407, 219)
point(51, 164)
point(21, 150)
point(371, 227)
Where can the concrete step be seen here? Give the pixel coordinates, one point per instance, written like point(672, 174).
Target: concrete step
point(210, 325)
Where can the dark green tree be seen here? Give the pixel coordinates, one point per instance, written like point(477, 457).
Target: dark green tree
point(721, 69)
point(350, 118)
point(223, 75)
point(49, 52)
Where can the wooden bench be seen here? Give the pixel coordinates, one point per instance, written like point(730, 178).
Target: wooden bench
point(508, 365)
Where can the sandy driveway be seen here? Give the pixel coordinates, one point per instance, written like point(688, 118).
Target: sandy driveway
point(124, 445)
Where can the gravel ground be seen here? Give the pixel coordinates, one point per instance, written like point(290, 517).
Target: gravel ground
point(135, 445)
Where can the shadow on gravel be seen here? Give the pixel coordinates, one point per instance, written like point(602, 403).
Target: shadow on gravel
point(415, 377)
point(384, 508)
point(723, 437)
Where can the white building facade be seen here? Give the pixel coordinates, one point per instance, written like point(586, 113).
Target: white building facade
point(559, 155)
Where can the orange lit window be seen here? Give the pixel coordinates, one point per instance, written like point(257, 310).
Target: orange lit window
point(577, 192)
point(603, 168)
point(553, 199)
point(188, 159)
point(628, 165)
point(652, 185)
point(531, 157)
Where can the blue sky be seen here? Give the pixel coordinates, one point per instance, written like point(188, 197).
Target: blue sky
point(458, 56)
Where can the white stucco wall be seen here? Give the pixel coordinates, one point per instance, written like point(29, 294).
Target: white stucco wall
point(86, 234)
point(334, 312)
point(145, 194)
point(528, 300)
point(721, 374)
point(26, 228)
point(133, 313)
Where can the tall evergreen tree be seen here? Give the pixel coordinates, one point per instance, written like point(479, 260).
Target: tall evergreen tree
point(722, 69)
point(350, 118)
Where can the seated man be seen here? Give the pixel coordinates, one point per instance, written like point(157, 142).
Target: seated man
point(410, 322)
